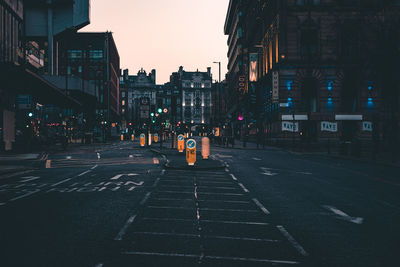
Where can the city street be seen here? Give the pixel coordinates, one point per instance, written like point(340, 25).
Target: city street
point(116, 205)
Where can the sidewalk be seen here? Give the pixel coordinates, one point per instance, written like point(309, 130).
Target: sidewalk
point(177, 161)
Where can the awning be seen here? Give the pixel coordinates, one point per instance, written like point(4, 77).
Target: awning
point(20, 80)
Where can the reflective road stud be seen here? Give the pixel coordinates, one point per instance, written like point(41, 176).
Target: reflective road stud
point(191, 152)
point(181, 143)
point(205, 147)
point(142, 139)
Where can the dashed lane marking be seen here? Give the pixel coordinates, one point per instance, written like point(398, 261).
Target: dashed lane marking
point(94, 167)
point(61, 182)
point(124, 228)
point(144, 200)
point(261, 206)
point(233, 177)
point(244, 188)
point(292, 241)
point(257, 159)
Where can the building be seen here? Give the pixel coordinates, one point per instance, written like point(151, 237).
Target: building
point(93, 56)
point(313, 71)
point(29, 102)
point(141, 96)
point(195, 88)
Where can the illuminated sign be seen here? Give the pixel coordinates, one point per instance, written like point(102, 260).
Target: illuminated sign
point(253, 67)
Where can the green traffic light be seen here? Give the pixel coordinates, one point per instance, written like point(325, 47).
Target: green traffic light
point(159, 110)
point(152, 114)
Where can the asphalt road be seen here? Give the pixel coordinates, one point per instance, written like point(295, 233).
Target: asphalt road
point(115, 205)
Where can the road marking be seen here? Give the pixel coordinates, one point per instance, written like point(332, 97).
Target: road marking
point(116, 177)
point(98, 155)
point(163, 172)
point(292, 241)
point(2, 204)
point(99, 265)
point(244, 188)
point(103, 188)
point(142, 253)
point(156, 161)
point(83, 173)
point(25, 195)
point(94, 167)
point(268, 173)
point(130, 156)
point(261, 206)
point(257, 159)
point(124, 228)
point(63, 181)
point(145, 198)
point(233, 177)
point(29, 178)
point(226, 169)
point(69, 157)
point(344, 216)
point(135, 183)
point(156, 182)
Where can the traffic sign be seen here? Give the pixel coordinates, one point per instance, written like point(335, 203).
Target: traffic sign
point(181, 143)
point(191, 152)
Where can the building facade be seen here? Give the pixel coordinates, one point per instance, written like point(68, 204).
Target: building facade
point(93, 57)
point(314, 70)
point(195, 90)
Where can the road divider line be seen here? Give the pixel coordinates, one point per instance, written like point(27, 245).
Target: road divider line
point(124, 228)
point(244, 188)
point(63, 181)
point(261, 206)
point(292, 241)
point(83, 173)
point(156, 182)
point(25, 195)
point(233, 177)
point(94, 167)
point(146, 197)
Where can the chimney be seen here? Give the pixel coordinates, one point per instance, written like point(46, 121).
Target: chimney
point(209, 71)
point(153, 75)
point(126, 74)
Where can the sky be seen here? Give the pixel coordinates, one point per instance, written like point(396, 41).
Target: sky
point(165, 34)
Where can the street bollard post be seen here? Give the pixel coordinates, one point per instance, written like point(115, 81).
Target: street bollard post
point(191, 152)
point(142, 139)
point(205, 147)
point(181, 143)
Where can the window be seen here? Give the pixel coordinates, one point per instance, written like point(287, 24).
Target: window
point(309, 42)
point(96, 55)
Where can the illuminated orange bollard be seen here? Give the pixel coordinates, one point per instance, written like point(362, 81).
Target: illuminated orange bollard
point(142, 140)
point(191, 152)
point(133, 137)
point(181, 143)
point(122, 137)
point(205, 147)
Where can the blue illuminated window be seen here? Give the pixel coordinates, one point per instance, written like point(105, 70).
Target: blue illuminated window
point(330, 85)
point(289, 85)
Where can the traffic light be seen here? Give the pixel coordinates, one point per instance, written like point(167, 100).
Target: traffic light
point(159, 110)
point(152, 114)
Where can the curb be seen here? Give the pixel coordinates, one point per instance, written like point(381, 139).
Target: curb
point(195, 168)
point(168, 166)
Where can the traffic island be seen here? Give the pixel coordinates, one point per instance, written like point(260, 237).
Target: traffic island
point(177, 161)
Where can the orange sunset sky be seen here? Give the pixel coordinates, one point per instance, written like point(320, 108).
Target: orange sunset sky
point(165, 34)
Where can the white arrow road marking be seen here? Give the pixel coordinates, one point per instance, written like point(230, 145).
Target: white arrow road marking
point(116, 177)
point(344, 216)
